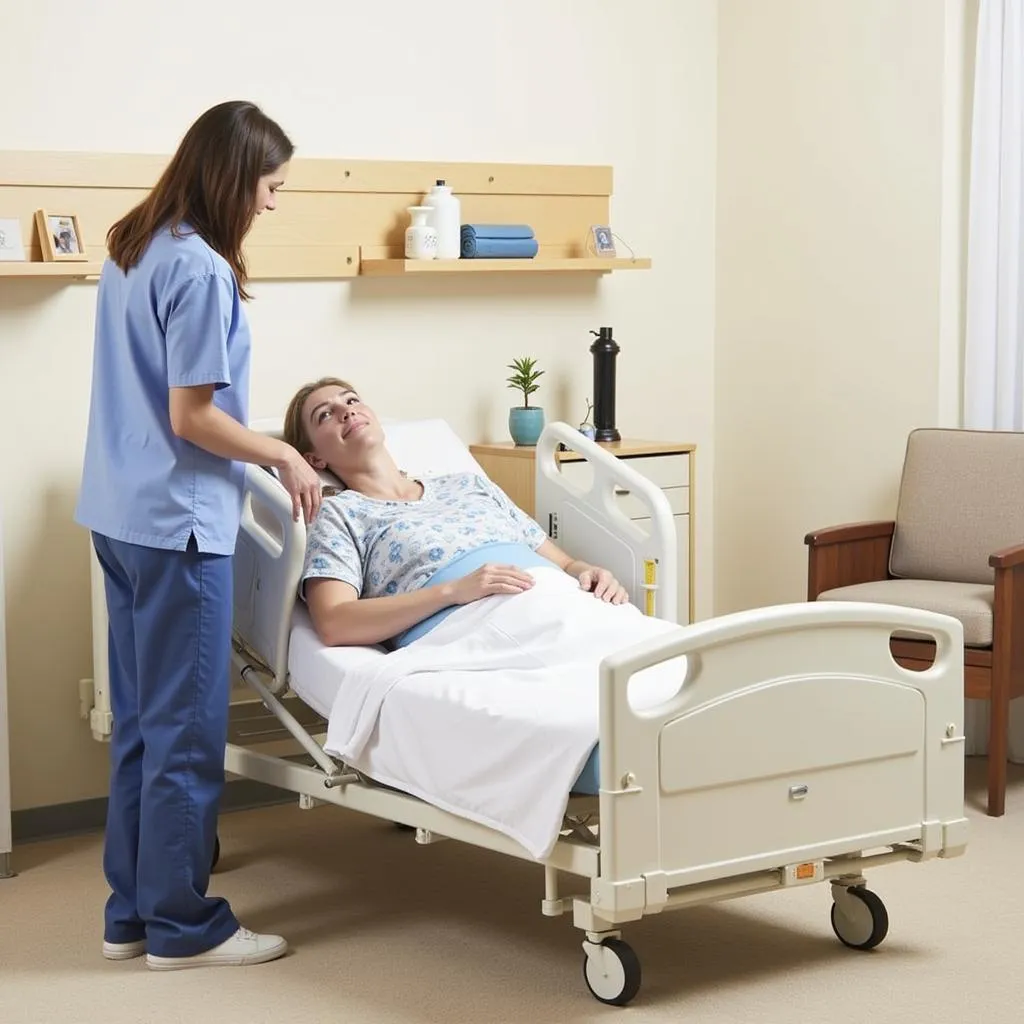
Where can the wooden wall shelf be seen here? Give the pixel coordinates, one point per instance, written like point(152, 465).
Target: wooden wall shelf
point(537, 265)
point(339, 265)
point(76, 269)
point(335, 219)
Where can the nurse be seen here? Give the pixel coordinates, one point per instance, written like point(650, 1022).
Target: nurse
point(161, 494)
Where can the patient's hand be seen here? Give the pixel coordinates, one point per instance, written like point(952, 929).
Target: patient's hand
point(487, 581)
point(603, 585)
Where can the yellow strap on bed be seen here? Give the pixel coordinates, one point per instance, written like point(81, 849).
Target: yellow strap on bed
point(650, 578)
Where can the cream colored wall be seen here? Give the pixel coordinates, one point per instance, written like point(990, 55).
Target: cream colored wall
point(839, 267)
point(522, 81)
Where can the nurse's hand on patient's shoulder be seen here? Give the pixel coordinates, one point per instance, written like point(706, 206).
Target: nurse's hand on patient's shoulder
point(487, 581)
point(302, 483)
point(603, 585)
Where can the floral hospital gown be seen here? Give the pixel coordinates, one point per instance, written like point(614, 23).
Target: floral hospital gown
point(383, 547)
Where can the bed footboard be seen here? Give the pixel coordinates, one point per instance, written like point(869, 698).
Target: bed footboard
point(794, 738)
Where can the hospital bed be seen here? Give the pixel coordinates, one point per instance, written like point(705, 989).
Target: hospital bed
point(794, 750)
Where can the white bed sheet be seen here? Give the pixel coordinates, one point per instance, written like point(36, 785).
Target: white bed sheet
point(318, 672)
point(493, 725)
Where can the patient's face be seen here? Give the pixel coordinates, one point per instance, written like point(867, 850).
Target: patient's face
point(341, 427)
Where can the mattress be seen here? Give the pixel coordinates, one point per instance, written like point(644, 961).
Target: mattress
point(317, 673)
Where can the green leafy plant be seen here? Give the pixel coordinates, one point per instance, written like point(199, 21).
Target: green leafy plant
point(524, 378)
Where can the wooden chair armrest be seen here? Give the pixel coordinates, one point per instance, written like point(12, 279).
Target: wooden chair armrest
point(849, 532)
point(1007, 558)
point(841, 556)
point(1008, 625)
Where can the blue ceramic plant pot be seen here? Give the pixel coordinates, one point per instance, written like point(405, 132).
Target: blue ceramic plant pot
point(525, 425)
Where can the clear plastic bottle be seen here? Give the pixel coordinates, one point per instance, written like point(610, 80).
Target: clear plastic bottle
point(446, 220)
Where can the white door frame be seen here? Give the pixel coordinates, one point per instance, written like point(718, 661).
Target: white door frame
point(5, 763)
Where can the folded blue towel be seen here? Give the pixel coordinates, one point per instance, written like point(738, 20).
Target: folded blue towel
point(497, 231)
point(498, 248)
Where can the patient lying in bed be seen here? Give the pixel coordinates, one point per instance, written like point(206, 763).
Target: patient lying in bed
point(493, 713)
point(389, 557)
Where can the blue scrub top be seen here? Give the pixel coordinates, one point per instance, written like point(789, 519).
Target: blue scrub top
point(174, 320)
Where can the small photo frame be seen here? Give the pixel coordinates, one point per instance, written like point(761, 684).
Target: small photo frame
point(60, 236)
point(604, 240)
point(12, 246)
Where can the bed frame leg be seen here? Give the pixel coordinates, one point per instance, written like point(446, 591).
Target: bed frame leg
point(848, 881)
point(551, 905)
point(424, 836)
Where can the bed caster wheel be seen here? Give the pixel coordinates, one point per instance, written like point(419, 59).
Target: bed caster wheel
point(611, 971)
point(859, 918)
point(216, 854)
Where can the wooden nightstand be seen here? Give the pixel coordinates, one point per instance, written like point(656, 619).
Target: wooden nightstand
point(668, 465)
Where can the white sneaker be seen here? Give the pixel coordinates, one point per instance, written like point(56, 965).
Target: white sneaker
point(124, 950)
point(244, 947)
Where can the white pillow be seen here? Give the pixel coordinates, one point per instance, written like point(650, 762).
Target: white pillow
point(420, 447)
point(428, 448)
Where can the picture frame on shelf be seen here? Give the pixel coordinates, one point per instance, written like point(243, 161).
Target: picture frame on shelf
point(60, 237)
point(12, 245)
point(603, 240)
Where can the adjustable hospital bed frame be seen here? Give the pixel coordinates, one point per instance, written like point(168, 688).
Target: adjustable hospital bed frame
point(796, 750)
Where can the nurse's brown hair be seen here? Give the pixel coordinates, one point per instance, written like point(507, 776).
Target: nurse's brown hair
point(209, 184)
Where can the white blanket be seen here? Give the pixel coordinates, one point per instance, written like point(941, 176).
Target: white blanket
point(493, 714)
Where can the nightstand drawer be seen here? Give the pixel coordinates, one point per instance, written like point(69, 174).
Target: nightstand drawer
point(678, 501)
point(664, 471)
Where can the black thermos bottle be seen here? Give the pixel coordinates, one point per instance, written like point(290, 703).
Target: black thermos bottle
point(605, 349)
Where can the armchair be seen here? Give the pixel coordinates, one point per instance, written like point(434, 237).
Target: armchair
point(956, 547)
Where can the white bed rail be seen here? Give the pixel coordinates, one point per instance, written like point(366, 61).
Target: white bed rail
point(815, 711)
point(590, 524)
point(268, 566)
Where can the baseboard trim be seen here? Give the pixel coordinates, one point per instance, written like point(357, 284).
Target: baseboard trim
point(81, 816)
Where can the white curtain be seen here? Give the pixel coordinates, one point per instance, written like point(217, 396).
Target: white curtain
point(994, 352)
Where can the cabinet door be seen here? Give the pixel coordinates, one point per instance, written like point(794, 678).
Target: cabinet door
point(515, 476)
point(684, 613)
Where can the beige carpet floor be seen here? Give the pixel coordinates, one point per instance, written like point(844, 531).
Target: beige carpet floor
point(383, 930)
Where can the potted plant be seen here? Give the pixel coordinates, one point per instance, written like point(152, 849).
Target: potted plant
point(525, 422)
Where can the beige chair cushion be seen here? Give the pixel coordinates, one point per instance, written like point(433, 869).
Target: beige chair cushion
point(961, 499)
point(971, 603)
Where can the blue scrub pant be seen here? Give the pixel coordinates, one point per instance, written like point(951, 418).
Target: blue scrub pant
point(169, 651)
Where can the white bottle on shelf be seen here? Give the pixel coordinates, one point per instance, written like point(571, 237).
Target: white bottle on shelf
point(446, 220)
point(420, 237)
